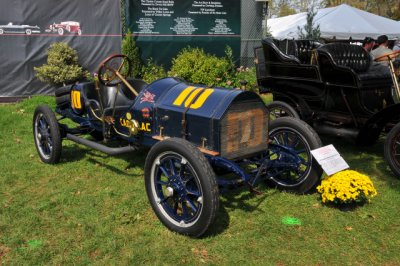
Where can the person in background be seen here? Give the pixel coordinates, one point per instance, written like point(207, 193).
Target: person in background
point(396, 45)
point(382, 49)
point(368, 43)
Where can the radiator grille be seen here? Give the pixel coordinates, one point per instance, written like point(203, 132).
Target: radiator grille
point(244, 129)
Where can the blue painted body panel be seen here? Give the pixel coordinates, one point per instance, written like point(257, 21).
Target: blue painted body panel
point(156, 107)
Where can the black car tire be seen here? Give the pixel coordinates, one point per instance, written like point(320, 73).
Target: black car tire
point(281, 109)
point(28, 31)
point(391, 147)
point(46, 134)
point(195, 185)
point(62, 90)
point(60, 31)
point(64, 100)
point(1, 31)
point(310, 140)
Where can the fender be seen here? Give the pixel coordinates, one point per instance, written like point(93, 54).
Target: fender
point(371, 130)
point(297, 102)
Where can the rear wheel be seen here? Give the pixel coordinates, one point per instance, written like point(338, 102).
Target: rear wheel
point(60, 31)
point(392, 150)
point(63, 100)
point(47, 136)
point(281, 109)
point(181, 187)
point(293, 167)
point(63, 96)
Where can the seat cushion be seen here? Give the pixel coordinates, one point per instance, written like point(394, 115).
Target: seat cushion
point(378, 75)
point(348, 55)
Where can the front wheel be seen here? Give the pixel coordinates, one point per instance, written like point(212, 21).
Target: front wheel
point(292, 165)
point(392, 150)
point(181, 187)
point(47, 136)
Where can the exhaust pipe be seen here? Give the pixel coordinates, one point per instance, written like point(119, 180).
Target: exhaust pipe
point(100, 147)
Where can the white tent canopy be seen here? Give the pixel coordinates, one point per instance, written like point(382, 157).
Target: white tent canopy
point(340, 22)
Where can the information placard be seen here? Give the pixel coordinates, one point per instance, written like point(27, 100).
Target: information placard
point(329, 159)
point(163, 27)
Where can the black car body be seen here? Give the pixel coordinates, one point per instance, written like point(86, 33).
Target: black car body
point(336, 87)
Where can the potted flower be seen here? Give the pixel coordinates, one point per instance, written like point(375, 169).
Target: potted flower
point(346, 189)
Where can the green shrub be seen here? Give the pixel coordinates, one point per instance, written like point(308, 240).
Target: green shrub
point(244, 74)
point(152, 72)
point(62, 65)
point(130, 49)
point(196, 66)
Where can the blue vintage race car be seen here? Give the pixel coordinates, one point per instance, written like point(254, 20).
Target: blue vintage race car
point(193, 133)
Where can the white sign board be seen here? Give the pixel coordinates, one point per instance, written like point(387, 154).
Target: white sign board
point(329, 159)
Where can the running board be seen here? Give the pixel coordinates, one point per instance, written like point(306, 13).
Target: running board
point(100, 147)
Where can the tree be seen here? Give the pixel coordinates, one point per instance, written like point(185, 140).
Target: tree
point(130, 49)
point(285, 9)
point(311, 32)
point(62, 66)
point(385, 8)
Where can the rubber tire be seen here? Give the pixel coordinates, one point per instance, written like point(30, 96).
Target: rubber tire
point(283, 106)
point(60, 31)
point(313, 140)
point(64, 100)
point(54, 133)
point(60, 91)
point(387, 151)
point(207, 182)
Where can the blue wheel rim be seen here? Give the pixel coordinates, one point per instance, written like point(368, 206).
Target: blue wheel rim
point(43, 137)
point(177, 189)
point(297, 153)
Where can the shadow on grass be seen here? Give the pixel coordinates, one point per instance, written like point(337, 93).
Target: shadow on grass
point(220, 224)
point(238, 198)
point(72, 153)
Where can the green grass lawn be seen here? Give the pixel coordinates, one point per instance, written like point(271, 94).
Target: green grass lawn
point(92, 208)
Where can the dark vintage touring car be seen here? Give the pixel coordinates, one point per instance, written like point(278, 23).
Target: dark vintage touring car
point(337, 88)
point(193, 133)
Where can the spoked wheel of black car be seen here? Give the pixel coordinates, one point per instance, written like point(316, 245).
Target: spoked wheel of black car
point(392, 150)
point(46, 133)
point(281, 109)
point(292, 165)
point(181, 187)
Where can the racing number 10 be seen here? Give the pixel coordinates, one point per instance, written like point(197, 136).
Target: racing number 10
point(187, 96)
point(76, 99)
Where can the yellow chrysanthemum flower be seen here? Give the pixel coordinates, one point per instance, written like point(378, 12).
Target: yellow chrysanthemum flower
point(346, 187)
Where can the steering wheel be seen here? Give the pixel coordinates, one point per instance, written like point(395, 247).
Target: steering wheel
point(109, 72)
point(387, 56)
